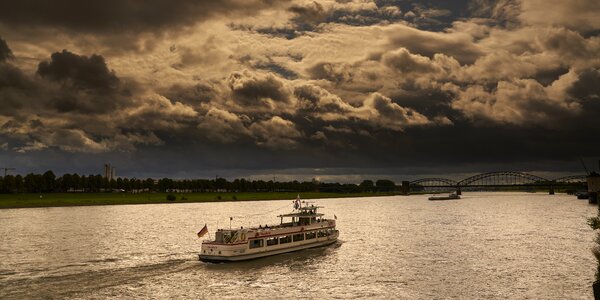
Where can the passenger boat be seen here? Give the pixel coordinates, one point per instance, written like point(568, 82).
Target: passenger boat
point(305, 228)
point(452, 196)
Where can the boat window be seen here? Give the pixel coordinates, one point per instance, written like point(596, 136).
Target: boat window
point(219, 237)
point(321, 233)
point(272, 241)
point(299, 237)
point(256, 243)
point(285, 239)
point(311, 235)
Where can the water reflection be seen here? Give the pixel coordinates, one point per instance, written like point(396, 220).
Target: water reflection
point(486, 245)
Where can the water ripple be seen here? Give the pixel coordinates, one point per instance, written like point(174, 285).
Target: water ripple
point(485, 246)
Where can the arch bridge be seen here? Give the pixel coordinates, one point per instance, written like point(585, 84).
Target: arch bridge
point(572, 179)
point(434, 184)
point(498, 180)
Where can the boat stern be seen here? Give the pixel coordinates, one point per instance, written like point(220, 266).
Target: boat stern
point(215, 252)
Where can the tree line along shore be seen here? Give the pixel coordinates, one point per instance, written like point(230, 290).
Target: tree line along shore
point(83, 199)
point(50, 183)
point(47, 189)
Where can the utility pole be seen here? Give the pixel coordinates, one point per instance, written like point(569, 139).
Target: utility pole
point(6, 170)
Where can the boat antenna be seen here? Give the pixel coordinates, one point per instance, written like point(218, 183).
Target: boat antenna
point(583, 164)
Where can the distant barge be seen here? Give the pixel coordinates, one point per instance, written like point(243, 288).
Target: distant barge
point(452, 196)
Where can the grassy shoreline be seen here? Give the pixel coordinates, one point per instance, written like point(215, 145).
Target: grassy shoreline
point(31, 200)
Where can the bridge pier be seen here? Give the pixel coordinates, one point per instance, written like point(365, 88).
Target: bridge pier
point(551, 192)
point(406, 187)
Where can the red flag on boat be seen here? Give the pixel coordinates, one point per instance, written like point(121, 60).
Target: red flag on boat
point(202, 231)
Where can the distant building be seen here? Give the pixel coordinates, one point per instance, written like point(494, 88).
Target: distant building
point(109, 172)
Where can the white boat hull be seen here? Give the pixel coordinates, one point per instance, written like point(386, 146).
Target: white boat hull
point(221, 258)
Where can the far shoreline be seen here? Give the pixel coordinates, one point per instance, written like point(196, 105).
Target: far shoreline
point(33, 200)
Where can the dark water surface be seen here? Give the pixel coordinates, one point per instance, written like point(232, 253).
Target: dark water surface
point(485, 246)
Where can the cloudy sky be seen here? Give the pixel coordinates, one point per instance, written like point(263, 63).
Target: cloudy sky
point(333, 89)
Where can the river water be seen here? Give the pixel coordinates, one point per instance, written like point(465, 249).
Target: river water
point(484, 246)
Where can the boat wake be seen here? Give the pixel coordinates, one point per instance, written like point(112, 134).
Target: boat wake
point(71, 285)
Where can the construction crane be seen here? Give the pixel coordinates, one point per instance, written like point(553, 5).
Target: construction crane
point(6, 170)
point(584, 167)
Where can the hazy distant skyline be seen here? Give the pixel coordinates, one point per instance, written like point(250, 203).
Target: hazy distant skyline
point(340, 90)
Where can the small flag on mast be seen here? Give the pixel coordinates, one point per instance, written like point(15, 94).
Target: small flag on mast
point(203, 231)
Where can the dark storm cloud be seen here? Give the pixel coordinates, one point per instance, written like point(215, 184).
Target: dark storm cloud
point(587, 86)
point(466, 148)
point(256, 90)
point(409, 79)
point(277, 68)
point(12, 77)
point(403, 61)
point(16, 89)
point(316, 100)
point(268, 63)
point(568, 43)
point(504, 12)
point(547, 76)
point(74, 103)
point(431, 15)
point(430, 102)
point(86, 85)
point(114, 16)
point(334, 72)
point(5, 52)
point(375, 85)
point(311, 16)
point(81, 71)
point(202, 92)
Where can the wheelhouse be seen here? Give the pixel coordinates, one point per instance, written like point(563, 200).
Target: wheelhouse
point(306, 215)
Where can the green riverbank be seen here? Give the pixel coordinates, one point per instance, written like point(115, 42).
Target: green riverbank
point(83, 199)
